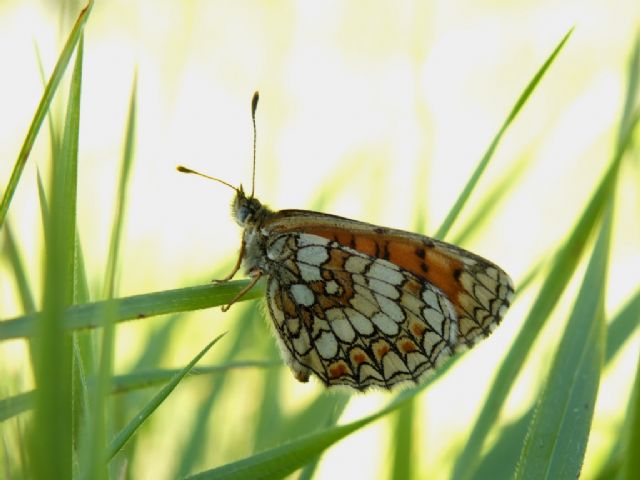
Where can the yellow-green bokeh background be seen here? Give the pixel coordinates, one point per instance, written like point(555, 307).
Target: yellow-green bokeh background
point(386, 107)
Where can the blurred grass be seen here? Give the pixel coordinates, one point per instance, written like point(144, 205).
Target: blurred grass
point(76, 423)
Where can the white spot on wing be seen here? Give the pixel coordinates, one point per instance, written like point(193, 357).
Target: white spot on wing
point(362, 324)
point(434, 318)
point(313, 255)
point(343, 329)
point(385, 324)
point(305, 240)
point(391, 308)
point(309, 273)
point(430, 298)
point(383, 272)
point(355, 264)
point(383, 288)
point(327, 345)
point(302, 294)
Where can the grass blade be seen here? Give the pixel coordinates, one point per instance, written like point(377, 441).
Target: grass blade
point(19, 272)
point(51, 437)
point(136, 307)
point(557, 438)
point(43, 107)
point(631, 461)
point(134, 381)
point(561, 271)
point(282, 460)
point(91, 466)
point(123, 436)
point(403, 436)
point(475, 176)
point(623, 326)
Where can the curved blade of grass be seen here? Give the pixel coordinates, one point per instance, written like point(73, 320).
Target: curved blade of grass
point(54, 141)
point(338, 402)
point(19, 273)
point(149, 378)
point(280, 461)
point(558, 278)
point(38, 118)
point(287, 458)
point(93, 447)
point(561, 271)
point(631, 461)
point(623, 326)
point(125, 434)
point(501, 460)
point(491, 200)
point(51, 436)
point(130, 382)
point(192, 450)
point(16, 404)
point(402, 441)
point(475, 176)
point(557, 438)
point(137, 307)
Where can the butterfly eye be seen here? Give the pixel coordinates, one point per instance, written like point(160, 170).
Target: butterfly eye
point(243, 213)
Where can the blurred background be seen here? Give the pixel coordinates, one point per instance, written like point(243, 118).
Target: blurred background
point(369, 110)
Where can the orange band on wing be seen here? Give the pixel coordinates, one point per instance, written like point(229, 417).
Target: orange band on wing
point(423, 260)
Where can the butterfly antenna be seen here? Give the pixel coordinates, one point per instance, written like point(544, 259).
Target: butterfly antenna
point(254, 106)
point(182, 169)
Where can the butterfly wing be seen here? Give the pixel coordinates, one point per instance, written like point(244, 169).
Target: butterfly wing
point(352, 318)
point(479, 290)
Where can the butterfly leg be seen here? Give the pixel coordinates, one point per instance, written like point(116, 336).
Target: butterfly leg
point(235, 269)
point(255, 274)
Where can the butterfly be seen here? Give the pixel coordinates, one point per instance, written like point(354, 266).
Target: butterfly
point(361, 305)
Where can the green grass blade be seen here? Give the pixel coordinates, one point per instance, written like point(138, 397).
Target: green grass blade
point(125, 172)
point(51, 436)
point(331, 407)
point(94, 446)
point(561, 271)
point(16, 404)
point(54, 141)
point(633, 83)
point(402, 441)
point(125, 434)
point(136, 307)
point(631, 460)
point(557, 438)
point(243, 334)
point(282, 460)
point(134, 381)
point(502, 458)
point(475, 176)
point(43, 107)
point(150, 378)
point(19, 273)
point(622, 327)
point(492, 199)
point(558, 278)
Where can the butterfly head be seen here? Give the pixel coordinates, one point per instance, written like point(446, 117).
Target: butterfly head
point(246, 210)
